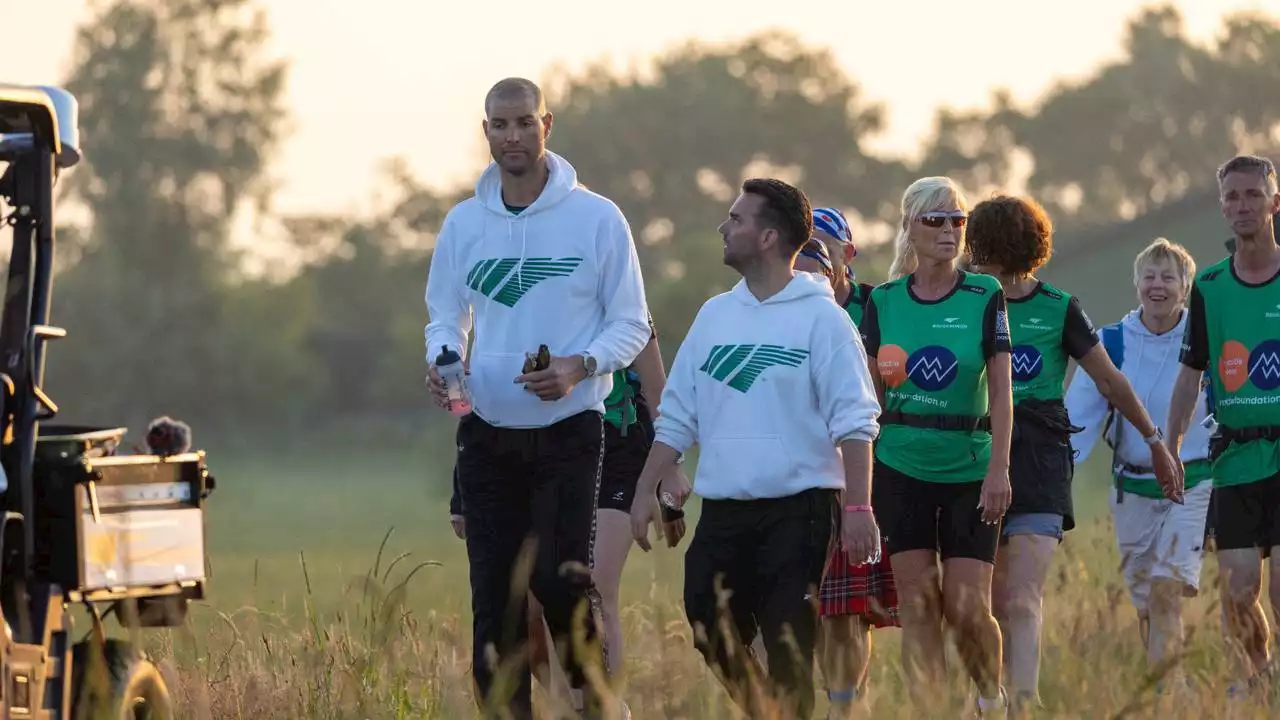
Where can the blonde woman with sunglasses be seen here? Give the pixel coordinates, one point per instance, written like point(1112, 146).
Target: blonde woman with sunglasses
point(938, 339)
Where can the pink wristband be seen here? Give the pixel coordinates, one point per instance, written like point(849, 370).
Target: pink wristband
point(857, 508)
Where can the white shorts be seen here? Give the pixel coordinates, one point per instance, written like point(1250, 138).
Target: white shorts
point(1160, 539)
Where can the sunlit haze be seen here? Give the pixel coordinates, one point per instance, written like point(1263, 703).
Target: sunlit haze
point(427, 65)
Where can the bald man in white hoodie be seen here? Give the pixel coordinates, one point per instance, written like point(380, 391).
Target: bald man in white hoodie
point(772, 383)
point(536, 259)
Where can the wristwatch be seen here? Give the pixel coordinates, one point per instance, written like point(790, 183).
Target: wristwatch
point(589, 364)
point(1155, 437)
point(679, 458)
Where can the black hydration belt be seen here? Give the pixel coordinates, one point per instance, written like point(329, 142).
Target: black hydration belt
point(1227, 435)
point(963, 423)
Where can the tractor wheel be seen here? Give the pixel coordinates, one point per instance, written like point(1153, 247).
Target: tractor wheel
point(127, 686)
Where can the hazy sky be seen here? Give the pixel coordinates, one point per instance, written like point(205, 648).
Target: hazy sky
point(430, 66)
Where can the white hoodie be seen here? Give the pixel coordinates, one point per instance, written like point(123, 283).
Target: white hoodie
point(563, 273)
point(769, 390)
point(1151, 365)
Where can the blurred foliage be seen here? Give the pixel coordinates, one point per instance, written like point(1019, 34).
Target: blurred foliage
point(1139, 132)
point(182, 111)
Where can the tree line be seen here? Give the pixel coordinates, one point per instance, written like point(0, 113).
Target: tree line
point(184, 112)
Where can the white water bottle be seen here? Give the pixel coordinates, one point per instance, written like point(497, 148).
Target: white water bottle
point(454, 374)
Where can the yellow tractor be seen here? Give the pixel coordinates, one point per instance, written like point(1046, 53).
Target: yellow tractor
point(83, 523)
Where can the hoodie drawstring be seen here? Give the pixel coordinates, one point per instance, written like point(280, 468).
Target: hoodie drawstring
point(524, 244)
point(1164, 359)
point(1144, 334)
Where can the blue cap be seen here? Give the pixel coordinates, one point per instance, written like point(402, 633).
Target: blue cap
point(832, 222)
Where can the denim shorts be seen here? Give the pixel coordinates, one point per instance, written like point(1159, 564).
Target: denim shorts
point(1046, 524)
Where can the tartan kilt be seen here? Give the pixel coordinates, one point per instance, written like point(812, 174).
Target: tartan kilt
point(865, 590)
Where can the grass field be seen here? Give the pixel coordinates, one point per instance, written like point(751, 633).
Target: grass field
point(294, 630)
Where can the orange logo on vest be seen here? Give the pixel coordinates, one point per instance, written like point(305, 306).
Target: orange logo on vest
point(1233, 365)
point(892, 362)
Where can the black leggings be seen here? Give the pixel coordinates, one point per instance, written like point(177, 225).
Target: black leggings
point(538, 484)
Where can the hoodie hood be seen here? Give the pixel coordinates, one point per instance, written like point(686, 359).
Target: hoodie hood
point(562, 179)
point(1132, 325)
point(1132, 320)
point(803, 286)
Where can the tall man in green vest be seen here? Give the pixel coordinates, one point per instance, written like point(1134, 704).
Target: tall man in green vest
point(1233, 332)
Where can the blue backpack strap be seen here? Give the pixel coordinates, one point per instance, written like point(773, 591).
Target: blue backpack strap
point(1113, 342)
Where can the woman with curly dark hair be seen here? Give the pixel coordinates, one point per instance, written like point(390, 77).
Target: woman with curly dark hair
point(1011, 238)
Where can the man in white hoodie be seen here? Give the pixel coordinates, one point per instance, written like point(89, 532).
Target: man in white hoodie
point(1161, 542)
point(536, 259)
point(772, 383)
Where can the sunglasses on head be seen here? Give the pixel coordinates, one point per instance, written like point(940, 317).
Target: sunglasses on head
point(935, 219)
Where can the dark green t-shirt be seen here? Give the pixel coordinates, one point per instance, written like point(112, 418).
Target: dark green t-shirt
point(1233, 332)
point(856, 303)
point(932, 358)
point(1048, 327)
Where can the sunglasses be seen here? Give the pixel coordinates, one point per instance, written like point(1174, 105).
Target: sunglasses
point(935, 219)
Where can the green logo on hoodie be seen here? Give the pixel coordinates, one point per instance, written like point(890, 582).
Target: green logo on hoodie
point(506, 280)
point(746, 362)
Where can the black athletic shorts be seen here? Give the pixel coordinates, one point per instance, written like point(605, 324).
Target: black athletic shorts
point(624, 458)
point(769, 555)
point(943, 517)
point(1247, 516)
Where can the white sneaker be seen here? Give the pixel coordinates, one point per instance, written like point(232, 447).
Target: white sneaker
point(998, 711)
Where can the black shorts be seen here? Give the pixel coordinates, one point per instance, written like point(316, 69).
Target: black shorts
point(624, 458)
point(769, 554)
point(1041, 469)
point(943, 517)
point(1247, 516)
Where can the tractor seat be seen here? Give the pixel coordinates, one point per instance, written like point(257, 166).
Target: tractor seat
point(62, 443)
